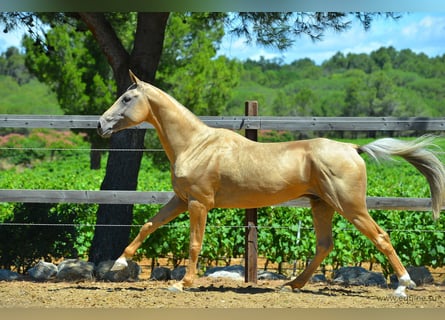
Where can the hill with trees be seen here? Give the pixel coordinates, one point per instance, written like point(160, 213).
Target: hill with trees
point(385, 82)
point(21, 92)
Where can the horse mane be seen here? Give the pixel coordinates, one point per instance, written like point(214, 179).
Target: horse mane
point(184, 110)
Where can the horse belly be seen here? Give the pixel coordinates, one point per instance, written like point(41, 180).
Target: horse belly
point(238, 196)
point(269, 177)
point(252, 200)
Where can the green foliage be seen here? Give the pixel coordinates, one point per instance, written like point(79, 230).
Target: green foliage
point(417, 239)
point(32, 97)
point(21, 246)
point(86, 85)
point(35, 231)
point(226, 235)
point(386, 83)
point(189, 69)
point(32, 143)
point(12, 64)
point(278, 239)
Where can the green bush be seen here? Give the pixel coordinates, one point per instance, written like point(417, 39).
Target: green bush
point(35, 145)
point(417, 239)
point(34, 237)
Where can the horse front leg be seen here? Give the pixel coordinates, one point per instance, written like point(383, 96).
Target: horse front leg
point(322, 214)
point(167, 213)
point(198, 218)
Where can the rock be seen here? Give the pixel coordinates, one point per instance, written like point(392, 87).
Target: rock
point(358, 276)
point(161, 274)
point(236, 272)
point(267, 275)
point(318, 278)
point(43, 271)
point(235, 269)
point(231, 272)
point(226, 275)
point(8, 275)
point(130, 273)
point(420, 275)
point(178, 273)
point(75, 270)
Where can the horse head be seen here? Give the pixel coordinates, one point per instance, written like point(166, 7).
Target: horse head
point(128, 110)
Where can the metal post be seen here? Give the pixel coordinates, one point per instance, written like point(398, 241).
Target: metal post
point(251, 236)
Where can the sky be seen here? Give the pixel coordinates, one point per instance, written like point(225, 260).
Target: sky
point(420, 32)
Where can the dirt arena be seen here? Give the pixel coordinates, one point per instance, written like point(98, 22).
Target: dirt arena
point(209, 293)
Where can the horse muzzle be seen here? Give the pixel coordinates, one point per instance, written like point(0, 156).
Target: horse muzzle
point(103, 130)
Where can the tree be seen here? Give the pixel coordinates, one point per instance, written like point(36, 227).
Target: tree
point(383, 100)
point(12, 64)
point(335, 64)
point(189, 69)
point(360, 61)
point(87, 85)
point(384, 57)
point(275, 29)
point(355, 98)
point(304, 100)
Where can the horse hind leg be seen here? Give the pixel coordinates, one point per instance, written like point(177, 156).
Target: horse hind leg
point(367, 226)
point(322, 214)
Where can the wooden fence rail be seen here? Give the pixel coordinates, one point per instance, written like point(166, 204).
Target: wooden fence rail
point(246, 122)
point(250, 124)
point(162, 197)
point(229, 122)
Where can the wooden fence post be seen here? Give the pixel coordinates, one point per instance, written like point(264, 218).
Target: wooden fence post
point(251, 236)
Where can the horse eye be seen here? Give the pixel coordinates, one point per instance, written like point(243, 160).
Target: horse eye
point(126, 99)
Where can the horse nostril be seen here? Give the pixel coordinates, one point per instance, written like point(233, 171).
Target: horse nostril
point(98, 125)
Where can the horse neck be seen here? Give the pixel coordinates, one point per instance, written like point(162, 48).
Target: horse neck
point(177, 127)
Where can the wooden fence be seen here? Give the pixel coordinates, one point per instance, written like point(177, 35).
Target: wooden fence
point(420, 124)
point(250, 123)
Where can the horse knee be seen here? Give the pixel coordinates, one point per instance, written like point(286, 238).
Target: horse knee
point(325, 246)
point(146, 229)
point(383, 242)
point(195, 249)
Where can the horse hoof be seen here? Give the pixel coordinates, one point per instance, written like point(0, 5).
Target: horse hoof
point(411, 285)
point(119, 264)
point(405, 281)
point(400, 292)
point(287, 288)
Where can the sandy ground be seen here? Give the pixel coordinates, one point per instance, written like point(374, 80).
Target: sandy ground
point(209, 293)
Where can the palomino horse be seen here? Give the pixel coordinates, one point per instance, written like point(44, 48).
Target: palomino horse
point(213, 167)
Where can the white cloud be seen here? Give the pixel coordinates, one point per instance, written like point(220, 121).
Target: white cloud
point(427, 22)
point(420, 32)
point(427, 27)
point(426, 35)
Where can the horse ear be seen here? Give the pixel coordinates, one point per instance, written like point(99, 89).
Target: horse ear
point(133, 77)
